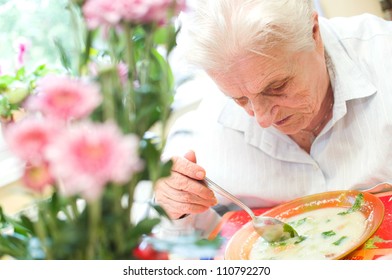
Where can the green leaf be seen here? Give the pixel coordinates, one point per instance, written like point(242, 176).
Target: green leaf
point(20, 74)
point(14, 245)
point(64, 56)
point(162, 67)
point(166, 168)
point(290, 230)
point(41, 71)
point(5, 81)
point(359, 200)
point(298, 222)
point(16, 94)
point(161, 35)
point(160, 210)
point(300, 239)
point(339, 241)
point(328, 233)
point(371, 243)
point(25, 226)
point(5, 108)
point(278, 243)
point(145, 226)
point(84, 59)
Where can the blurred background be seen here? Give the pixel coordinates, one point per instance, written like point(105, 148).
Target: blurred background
point(40, 23)
point(336, 8)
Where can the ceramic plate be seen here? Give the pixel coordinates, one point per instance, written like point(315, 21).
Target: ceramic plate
point(242, 241)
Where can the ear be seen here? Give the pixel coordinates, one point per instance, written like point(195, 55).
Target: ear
point(316, 31)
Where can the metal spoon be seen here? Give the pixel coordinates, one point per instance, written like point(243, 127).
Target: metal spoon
point(270, 229)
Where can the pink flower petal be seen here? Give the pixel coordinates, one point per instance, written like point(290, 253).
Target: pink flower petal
point(110, 12)
point(65, 98)
point(37, 178)
point(88, 156)
point(29, 138)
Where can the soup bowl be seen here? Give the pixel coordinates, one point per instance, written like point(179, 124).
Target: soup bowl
point(371, 207)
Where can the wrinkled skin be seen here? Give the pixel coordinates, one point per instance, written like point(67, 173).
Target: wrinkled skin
point(182, 193)
point(284, 90)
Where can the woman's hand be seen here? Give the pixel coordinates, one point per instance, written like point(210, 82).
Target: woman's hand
point(182, 193)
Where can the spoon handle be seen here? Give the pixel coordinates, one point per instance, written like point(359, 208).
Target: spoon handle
point(215, 187)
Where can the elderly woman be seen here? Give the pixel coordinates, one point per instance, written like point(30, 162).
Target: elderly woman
point(304, 105)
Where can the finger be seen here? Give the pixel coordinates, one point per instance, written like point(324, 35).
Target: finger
point(188, 197)
point(188, 168)
point(182, 183)
point(177, 202)
point(176, 209)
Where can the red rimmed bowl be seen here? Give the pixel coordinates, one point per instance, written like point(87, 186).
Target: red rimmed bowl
point(242, 242)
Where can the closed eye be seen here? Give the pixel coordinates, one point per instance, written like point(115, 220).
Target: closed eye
point(277, 90)
point(279, 87)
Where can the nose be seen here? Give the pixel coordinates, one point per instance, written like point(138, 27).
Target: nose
point(264, 113)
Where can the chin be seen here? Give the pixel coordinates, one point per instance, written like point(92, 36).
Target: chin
point(289, 131)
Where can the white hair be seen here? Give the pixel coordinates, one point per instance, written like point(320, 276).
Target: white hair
point(218, 32)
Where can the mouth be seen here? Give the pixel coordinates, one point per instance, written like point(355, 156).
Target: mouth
point(282, 121)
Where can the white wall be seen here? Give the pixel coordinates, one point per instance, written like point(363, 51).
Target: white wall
point(333, 8)
point(10, 166)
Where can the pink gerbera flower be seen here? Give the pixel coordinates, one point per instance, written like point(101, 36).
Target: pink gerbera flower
point(29, 138)
point(88, 156)
point(145, 11)
point(37, 177)
point(99, 13)
point(65, 98)
point(111, 12)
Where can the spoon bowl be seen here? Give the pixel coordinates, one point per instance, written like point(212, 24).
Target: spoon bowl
point(271, 229)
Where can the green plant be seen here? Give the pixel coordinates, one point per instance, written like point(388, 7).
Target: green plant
point(86, 133)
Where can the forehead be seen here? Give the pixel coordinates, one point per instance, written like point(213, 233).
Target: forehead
point(253, 73)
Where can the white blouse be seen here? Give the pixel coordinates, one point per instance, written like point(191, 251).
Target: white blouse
point(266, 167)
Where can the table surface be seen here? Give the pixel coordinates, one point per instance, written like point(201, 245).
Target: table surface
point(379, 244)
point(14, 197)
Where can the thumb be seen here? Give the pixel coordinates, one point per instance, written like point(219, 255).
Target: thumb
point(191, 156)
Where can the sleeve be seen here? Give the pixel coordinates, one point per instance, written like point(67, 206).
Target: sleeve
point(180, 140)
point(202, 223)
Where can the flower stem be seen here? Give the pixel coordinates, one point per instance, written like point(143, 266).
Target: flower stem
point(129, 92)
point(39, 227)
point(86, 53)
point(131, 191)
point(118, 225)
point(108, 90)
point(145, 69)
point(94, 214)
point(76, 27)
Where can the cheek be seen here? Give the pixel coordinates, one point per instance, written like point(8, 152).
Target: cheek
point(302, 100)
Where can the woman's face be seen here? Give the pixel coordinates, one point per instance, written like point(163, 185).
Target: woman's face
point(284, 92)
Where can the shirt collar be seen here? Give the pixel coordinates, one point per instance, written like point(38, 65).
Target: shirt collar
point(348, 81)
point(269, 140)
